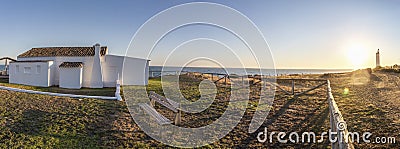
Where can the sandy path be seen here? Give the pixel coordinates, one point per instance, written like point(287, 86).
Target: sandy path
point(372, 105)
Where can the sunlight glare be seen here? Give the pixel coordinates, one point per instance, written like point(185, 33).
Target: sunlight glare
point(346, 91)
point(357, 56)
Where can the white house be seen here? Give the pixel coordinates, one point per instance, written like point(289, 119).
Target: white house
point(76, 67)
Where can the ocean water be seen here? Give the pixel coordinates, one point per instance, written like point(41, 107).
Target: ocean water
point(155, 71)
point(1, 67)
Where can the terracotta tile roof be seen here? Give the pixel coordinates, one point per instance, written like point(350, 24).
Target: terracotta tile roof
point(71, 64)
point(62, 51)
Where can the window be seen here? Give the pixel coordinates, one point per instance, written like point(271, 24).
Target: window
point(38, 69)
point(27, 69)
point(17, 69)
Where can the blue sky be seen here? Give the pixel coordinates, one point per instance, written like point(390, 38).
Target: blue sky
point(301, 34)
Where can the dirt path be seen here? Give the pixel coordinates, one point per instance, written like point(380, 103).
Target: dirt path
point(372, 105)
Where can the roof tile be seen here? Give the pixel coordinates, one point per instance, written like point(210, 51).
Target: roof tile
point(71, 65)
point(62, 51)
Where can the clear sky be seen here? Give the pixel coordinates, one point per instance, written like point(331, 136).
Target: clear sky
point(301, 34)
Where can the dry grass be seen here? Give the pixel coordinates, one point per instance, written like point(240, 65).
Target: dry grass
point(38, 121)
point(44, 121)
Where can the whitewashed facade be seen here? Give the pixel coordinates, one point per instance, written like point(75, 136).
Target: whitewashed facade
point(71, 77)
point(134, 67)
point(99, 69)
point(34, 73)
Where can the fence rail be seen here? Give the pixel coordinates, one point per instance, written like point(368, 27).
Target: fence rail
point(337, 123)
point(153, 74)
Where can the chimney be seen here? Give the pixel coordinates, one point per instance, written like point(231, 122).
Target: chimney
point(97, 49)
point(97, 76)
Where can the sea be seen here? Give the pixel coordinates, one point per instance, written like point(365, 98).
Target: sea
point(2, 67)
point(155, 71)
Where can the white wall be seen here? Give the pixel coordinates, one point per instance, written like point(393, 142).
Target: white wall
point(86, 71)
point(31, 73)
point(112, 66)
point(71, 78)
point(136, 70)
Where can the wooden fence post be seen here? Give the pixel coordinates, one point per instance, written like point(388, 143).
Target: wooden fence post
point(292, 87)
point(6, 67)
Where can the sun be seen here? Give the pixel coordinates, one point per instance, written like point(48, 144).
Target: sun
point(357, 56)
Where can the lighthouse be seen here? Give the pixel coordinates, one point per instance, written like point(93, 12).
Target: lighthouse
point(378, 61)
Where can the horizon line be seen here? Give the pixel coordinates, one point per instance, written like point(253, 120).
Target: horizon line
point(261, 68)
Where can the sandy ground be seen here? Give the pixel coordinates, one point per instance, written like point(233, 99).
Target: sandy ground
point(372, 105)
